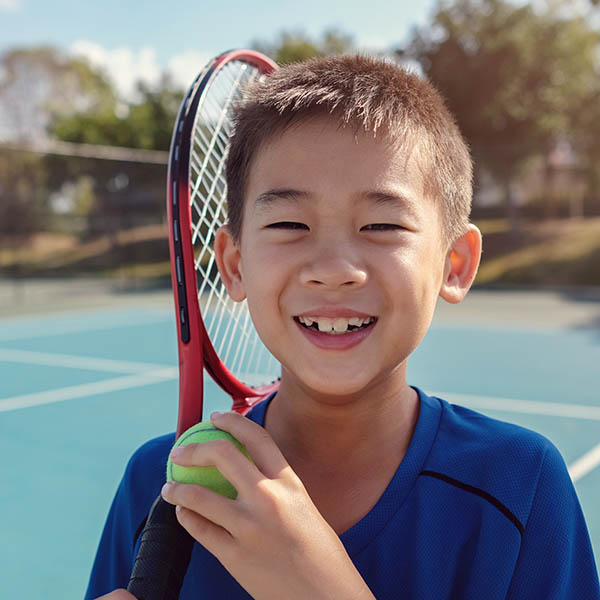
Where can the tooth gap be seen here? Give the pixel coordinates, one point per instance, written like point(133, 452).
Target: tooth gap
point(315, 325)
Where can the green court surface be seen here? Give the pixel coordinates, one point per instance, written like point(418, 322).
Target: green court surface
point(82, 388)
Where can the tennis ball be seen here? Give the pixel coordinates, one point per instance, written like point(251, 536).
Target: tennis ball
point(209, 477)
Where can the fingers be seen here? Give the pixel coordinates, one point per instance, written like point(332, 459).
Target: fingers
point(223, 455)
point(203, 513)
point(207, 516)
point(201, 500)
point(213, 537)
point(214, 520)
point(263, 450)
point(231, 463)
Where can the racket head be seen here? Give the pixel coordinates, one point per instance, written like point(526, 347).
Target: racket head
point(214, 333)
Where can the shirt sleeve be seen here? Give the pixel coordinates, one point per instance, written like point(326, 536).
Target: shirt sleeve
point(139, 487)
point(115, 552)
point(556, 558)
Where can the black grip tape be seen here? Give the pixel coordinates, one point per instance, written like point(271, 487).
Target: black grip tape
point(163, 557)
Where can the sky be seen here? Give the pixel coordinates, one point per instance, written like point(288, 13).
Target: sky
point(135, 39)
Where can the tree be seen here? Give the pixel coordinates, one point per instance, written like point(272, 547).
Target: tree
point(145, 124)
point(514, 78)
point(292, 47)
point(37, 84)
point(44, 92)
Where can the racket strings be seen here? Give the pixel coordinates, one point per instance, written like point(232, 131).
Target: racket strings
point(227, 323)
point(209, 171)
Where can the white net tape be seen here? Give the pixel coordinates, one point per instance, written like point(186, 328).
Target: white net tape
point(227, 322)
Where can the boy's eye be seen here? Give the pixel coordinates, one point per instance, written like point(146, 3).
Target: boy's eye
point(287, 225)
point(381, 227)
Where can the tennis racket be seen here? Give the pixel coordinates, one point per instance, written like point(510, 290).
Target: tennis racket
point(214, 333)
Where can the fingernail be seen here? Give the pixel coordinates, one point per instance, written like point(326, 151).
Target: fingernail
point(216, 415)
point(177, 451)
point(166, 489)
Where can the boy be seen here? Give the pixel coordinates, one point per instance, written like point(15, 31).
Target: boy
point(349, 197)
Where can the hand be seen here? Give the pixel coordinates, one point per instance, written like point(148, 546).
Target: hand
point(117, 595)
point(271, 538)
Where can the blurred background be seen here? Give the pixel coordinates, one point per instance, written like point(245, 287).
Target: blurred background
point(88, 97)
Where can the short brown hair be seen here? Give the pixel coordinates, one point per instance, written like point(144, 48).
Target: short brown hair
point(366, 92)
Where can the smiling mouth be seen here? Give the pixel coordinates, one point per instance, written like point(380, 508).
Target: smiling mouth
point(337, 326)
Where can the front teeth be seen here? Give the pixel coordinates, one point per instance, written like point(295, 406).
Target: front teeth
point(338, 325)
point(325, 324)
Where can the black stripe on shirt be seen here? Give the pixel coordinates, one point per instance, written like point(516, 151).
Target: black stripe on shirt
point(482, 494)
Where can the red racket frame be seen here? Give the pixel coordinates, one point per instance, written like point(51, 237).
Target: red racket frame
point(194, 346)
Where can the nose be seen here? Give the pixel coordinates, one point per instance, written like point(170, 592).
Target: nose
point(333, 264)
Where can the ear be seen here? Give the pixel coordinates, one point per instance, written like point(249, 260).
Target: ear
point(461, 266)
point(229, 258)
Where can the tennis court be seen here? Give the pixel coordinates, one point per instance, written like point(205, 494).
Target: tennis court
point(83, 386)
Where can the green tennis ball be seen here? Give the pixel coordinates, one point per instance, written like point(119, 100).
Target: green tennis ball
point(209, 477)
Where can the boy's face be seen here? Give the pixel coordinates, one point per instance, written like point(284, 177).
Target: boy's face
point(336, 227)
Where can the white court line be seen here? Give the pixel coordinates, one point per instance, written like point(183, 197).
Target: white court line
point(586, 463)
point(87, 389)
point(70, 361)
point(554, 409)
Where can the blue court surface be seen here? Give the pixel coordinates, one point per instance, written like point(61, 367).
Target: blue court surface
point(82, 388)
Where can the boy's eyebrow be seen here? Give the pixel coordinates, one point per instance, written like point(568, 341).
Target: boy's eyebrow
point(271, 196)
point(288, 195)
point(394, 199)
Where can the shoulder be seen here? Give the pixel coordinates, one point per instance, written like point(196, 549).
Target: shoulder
point(146, 471)
point(151, 452)
point(502, 461)
point(468, 433)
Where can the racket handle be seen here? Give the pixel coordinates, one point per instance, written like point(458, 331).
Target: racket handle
point(163, 557)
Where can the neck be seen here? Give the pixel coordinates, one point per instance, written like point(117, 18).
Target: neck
point(340, 432)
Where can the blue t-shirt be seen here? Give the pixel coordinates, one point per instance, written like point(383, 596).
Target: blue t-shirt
point(478, 508)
